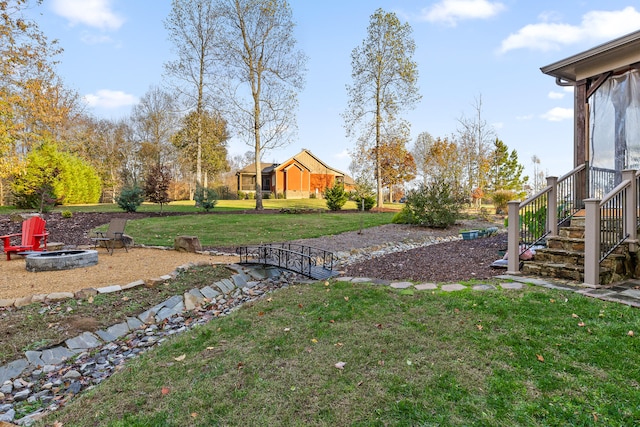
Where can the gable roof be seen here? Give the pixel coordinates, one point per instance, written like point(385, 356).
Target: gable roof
point(614, 55)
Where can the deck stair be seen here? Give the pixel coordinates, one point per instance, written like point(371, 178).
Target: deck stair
point(563, 257)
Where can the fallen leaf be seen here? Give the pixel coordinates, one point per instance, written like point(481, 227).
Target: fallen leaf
point(287, 329)
point(261, 313)
point(315, 341)
point(90, 300)
point(540, 358)
point(551, 300)
point(575, 316)
point(332, 321)
point(210, 348)
point(299, 305)
point(165, 391)
point(581, 324)
point(57, 424)
point(409, 363)
point(346, 298)
point(379, 326)
point(240, 365)
point(194, 415)
point(269, 299)
point(381, 362)
point(326, 283)
point(180, 358)
point(338, 344)
point(630, 333)
point(340, 365)
point(293, 388)
point(456, 310)
point(595, 417)
point(125, 298)
point(479, 327)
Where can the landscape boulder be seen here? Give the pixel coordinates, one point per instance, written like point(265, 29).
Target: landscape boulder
point(187, 244)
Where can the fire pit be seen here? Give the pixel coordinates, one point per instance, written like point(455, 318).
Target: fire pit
point(61, 260)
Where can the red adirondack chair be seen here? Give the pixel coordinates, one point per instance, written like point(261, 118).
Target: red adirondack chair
point(33, 237)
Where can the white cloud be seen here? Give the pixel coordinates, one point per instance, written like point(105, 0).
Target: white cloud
point(595, 26)
point(555, 95)
point(558, 114)
point(452, 11)
point(93, 13)
point(105, 98)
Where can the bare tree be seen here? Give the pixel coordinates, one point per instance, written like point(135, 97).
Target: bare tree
point(420, 152)
point(155, 120)
point(476, 140)
point(192, 27)
point(384, 83)
point(261, 72)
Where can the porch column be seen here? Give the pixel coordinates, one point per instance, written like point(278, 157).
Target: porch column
point(630, 210)
point(552, 206)
point(513, 238)
point(592, 243)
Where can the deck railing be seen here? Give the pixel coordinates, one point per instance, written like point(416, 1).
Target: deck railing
point(539, 216)
point(609, 223)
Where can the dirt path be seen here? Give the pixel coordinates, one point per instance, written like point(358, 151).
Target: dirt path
point(120, 268)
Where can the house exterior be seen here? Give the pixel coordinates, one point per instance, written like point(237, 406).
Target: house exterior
point(602, 192)
point(606, 81)
point(296, 178)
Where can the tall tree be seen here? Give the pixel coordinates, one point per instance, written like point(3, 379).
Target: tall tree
point(154, 120)
point(262, 70)
point(213, 142)
point(384, 83)
point(420, 152)
point(506, 173)
point(192, 27)
point(476, 138)
point(34, 105)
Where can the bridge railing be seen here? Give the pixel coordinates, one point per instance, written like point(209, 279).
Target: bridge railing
point(307, 260)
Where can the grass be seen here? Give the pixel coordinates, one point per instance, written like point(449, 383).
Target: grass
point(222, 205)
point(236, 230)
point(36, 326)
point(533, 357)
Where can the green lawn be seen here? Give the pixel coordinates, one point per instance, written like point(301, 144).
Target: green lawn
point(531, 357)
point(222, 205)
point(238, 230)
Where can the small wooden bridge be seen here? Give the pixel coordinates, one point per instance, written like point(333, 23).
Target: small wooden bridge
point(312, 262)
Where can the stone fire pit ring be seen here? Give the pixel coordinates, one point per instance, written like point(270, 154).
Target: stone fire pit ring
point(61, 260)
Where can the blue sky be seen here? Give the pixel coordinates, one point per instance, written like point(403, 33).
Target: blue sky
point(114, 51)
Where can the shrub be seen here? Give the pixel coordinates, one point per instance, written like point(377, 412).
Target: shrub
point(130, 198)
point(280, 196)
point(434, 205)
point(52, 177)
point(206, 198)
point(242, 195)
point(403, 217)
point(312, 195)
point(67, 214)
point(369, 201)
point(251, 195)
point(156, 185)
point(336, 197)
point(500, 198)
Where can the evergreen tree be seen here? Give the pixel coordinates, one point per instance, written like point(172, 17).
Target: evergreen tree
point(505, 172)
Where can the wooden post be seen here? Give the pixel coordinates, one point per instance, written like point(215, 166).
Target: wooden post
point(552, 206)
point(631, 211)
point(592, 243)
point(513, 238)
